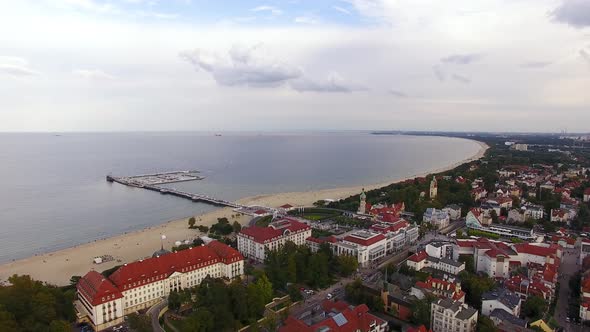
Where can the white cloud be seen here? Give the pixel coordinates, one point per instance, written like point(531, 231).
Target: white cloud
point(242, 66)
point(334, 83)
point(270, 9)
point(342, 10)
point(461, 59)
point(573, 12)
point(16, 67)
point(306, 20)
point(87, 5)
point(397, 93)
point(461, 79)
point(93, 74)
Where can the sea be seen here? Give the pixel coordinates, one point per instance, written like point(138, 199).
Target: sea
point(54, 192)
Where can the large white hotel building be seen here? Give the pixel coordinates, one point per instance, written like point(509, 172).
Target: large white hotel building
point(102, 301)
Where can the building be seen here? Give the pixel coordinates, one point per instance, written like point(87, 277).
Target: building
point(254, 241)
point(560, 215)
point(336, 316)
point(501, 317)
point(516, 216)
point(584, 249)
point(440, 249)
point(500, 298)
point(421, 260)
point(437, 218)
point(525, 287)
point(103, 302)
point(454, 211)
point(520, 147)
point(479, 193)
point(366, 246)
point(433, 188)
point(541, 325)
point(474, 221)
point(533, 211)
point(587, 195)
point(585, 298)
point(452, 316)
point(439, 288)
point(363, 203)
point(497, 259)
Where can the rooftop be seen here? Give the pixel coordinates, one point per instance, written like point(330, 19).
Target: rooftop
point(504, 296)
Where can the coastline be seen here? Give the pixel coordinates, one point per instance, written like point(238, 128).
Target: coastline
point(57, 267)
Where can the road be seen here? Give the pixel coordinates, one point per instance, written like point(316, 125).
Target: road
point(567, 269)
point(154, 312)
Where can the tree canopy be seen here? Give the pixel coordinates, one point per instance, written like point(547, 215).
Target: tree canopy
point(30, 305)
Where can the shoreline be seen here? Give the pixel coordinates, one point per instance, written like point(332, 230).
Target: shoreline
point(58, 266)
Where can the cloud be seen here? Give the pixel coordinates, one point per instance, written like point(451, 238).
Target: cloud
point(93, 74)
point(461, 59)
point(585, 56)
point(397, 93)
point(16, 67)
point(573, 12)
point(334, 83)
point(439, 73)
point(271, 9)
point(535, 64)
point(461, 79)
point(342, 10)
point(157, 15)
point(88, 5)
point(242, 67)
point(306, 20)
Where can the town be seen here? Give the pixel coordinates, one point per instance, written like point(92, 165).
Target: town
point(497, 244)
point(493, 245)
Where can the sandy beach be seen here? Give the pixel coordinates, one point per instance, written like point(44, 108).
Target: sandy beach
point(57, 267)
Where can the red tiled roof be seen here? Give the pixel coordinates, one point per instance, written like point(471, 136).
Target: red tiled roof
point(331, 239)
point(286, 206)
point(419, 256)
point(357, 319)
point(146, 271)
point(587, 191)
point(97, 289)
point(421, 328)
point(261, 234)
point(365, 242)
point(260, 212)
point(527, 248)
point(274, 230)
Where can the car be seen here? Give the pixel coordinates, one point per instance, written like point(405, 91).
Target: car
point(329, 296)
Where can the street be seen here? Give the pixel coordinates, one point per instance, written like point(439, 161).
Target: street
point(567, 269)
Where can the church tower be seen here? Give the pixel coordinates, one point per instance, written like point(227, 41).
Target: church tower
point(433, 188)
point(363, 202)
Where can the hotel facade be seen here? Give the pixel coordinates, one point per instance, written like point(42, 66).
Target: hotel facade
point(104, 301)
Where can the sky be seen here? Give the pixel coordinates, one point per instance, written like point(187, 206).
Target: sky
point(242, 65)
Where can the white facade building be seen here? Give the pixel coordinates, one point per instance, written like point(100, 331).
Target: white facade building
point(103, 302)
point(254, 241)
point(438, 218)
point(452, 316)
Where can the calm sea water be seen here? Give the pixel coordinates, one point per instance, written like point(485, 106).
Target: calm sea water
point(54, 193)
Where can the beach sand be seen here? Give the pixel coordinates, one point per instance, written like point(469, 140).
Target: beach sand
point(57, 267)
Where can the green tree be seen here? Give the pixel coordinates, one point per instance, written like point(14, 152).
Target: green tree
point(534, 307)
point(174, 301)
point(201, 320)
point(421, 311)
point(60, 326)
point(74, 280)
point(191, 222)
point(485, 324)
point(347, 265)
point(264, 288)
point(236, 227)
point(139, 323)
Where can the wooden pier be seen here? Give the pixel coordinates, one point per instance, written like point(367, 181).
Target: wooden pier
point(133, 182)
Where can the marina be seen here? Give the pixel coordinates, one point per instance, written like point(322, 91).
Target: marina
point(153, 181)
